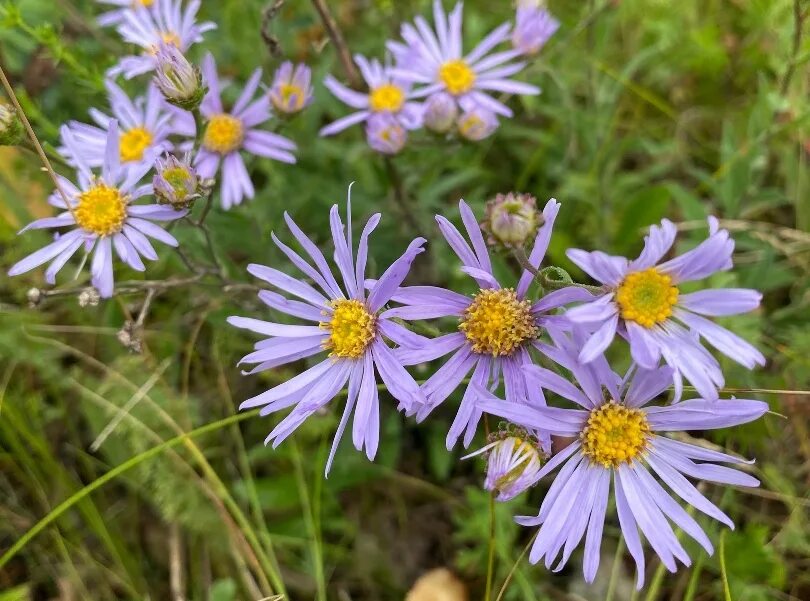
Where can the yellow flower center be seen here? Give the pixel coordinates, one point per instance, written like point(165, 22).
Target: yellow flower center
point(497, 322)
point(133, 144)
point(223, 134)
point(288, 92)
point(457, 76)
point(352, 328)
point(178, 178)
point(614, 435)
point(169, 38)
point(146, 3)
point(101, 210)
point(386, 97)
point(646, 297)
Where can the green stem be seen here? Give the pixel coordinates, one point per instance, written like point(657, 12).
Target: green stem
point(491, 554)
point(614, 572)
point(723, 572)
point(309, 522)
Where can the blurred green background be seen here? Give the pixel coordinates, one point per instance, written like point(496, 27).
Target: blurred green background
point(650, 109)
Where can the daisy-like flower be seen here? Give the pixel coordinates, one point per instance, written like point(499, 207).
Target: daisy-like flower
point(387, 95)
point(642, 301)
point(436, 60)
point(292, 88)
point(534, 26)
point(102, 217)
point(385, 134)
point(514, 458)
point(618, 437)
point(497, 327)
point(477, 123)
point(229, 132)
point(164, 23)
point(118, 15)
point(345, 322)
point(145, 125)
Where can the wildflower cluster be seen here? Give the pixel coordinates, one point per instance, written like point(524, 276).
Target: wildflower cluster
point(432, 83)
point(500, 338)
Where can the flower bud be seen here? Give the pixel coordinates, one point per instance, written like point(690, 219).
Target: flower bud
point(176, 182)
point(477, 123)
point(514, 458)
point(440, 112)
point(291, 90)
point(178, 80)
point(534, 25)
point(511, 220)
point(34, 296)
point(385, 134)
point(11, 128)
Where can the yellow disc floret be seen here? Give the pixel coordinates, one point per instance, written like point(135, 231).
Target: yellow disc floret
point(223, 134)
point(497, 322)
point(646, 297)
point(101, 210)
point(352, 328)
point(386, 97)
point(457, 76)
point(291, 97)
point(614, 435)
point(133, 144)
point(146, 3)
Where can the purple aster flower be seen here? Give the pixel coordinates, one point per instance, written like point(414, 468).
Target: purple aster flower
point(477, 123)
point(145, 126)
point(641, 301)
point(292, 88)
point(440, 112)
point(534, 26)
point(164, 23)
point(387, 95)
point(436, 60)
point(343, 321)
point(514, 458)
point(178, 80)
point(229, 132)
point(497, 326)
point(385, 134)
point(103, 218)
point(618, 437)
point(118, 15)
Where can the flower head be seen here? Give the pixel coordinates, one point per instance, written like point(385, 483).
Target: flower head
point(178, 80)
point(440, 112)
point(643, 302)
point(145, 124)
point(165, 23)
point(228, 133)
point(534, 26)
point(102, 214)
point(514, 458)
point(176, 182)
point(477, 123)
point(497, 328)
point(387, 96)
point(385, 134)
point(511, 220)
point(11, 128)
point(292, 88)
point(618, 437)
point(435, 60)
point(347, 324)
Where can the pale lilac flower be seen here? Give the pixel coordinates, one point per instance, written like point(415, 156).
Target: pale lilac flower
point(385, 134)
point(144, 123)
point(642, 301)
point(440, 112)
point(178, 80)
point(618, 437)
point(165, 23)
point(227, 133)
point(387, 95)
point(477, 123)
point(514, 458)
point(497, 326)
point(343, 321)
point(511, 220)
point(534, 26)
point(292, 88)
point(436, 61)
point(176, 181)
point(103, 218)
point(118, 15)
